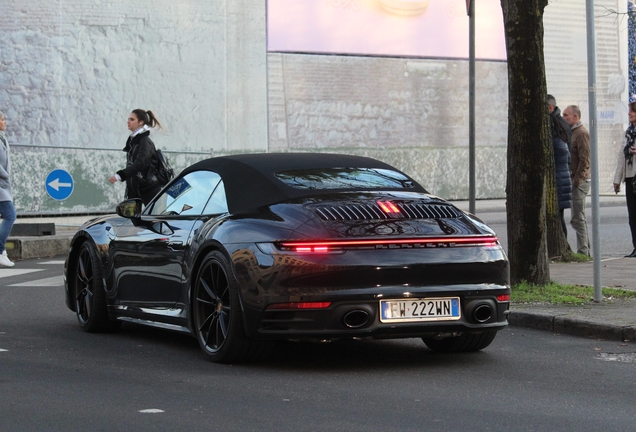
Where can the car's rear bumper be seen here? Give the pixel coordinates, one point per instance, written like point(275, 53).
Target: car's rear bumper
point(353, 316)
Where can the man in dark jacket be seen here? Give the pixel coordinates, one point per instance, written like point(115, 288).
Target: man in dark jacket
point(563, 129)
point(561, 136)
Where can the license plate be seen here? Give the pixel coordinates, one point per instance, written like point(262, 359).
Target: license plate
point(422, 309)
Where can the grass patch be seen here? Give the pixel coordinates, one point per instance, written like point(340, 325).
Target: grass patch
point(572, 257)
point(555, 293)
point(580, 258)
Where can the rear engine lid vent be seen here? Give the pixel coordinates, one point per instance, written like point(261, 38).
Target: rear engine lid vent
point(382, 210)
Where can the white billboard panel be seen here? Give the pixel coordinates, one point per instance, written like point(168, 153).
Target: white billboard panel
point(395, 28)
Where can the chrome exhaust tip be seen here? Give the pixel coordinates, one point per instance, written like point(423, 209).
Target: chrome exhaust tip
point(356, 318)
point(482, 313)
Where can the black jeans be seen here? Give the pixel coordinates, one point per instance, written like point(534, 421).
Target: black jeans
point(565, 229)
point(630, 197)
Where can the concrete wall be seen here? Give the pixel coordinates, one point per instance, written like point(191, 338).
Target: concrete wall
point(71, 71)
point(566, 71)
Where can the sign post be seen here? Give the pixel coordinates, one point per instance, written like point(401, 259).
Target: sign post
point(59, 184)
point(470, 10)
point(591, 85)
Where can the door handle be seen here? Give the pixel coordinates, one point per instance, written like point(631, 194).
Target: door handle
point(175, 245)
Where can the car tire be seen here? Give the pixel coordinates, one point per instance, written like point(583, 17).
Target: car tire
point(90, 297)
point(217, 315)
point(466, 342)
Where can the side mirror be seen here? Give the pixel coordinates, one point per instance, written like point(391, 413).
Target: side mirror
point(130, 209)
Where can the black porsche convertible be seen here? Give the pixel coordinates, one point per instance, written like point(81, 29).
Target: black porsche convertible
point(242, 250)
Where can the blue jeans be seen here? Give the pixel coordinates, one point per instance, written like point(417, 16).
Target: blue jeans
point(7, 211)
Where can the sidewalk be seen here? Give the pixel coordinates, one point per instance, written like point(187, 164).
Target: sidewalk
point(486, 206)
point(610, 320)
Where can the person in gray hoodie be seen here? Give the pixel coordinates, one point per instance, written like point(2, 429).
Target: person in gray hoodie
point(7, 211)
point(626, 172)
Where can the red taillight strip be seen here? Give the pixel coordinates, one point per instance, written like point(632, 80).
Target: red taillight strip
point(300, 305)
point(503, 298)
point(481, 241)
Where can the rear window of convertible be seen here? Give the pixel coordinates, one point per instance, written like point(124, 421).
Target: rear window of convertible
point(345, 178)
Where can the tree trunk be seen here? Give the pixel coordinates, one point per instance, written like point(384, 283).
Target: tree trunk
point(529, 141)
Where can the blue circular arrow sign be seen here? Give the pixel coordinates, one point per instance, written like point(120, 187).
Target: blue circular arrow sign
point(59, 184)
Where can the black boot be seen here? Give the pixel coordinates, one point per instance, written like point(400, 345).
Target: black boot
point(631, 255)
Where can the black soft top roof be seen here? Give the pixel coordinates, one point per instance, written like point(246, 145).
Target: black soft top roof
point(250, 180)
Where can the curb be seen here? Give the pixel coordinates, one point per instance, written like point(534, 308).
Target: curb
point(37, 247)
point(572, 326)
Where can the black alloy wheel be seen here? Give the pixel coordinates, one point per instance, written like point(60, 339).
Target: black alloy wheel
point(90, 297)
point(466, 342)
point(218, 319)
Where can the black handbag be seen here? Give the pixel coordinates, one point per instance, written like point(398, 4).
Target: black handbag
point(164, 172)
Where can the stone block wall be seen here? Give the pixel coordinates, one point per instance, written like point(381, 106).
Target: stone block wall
point(408, 112)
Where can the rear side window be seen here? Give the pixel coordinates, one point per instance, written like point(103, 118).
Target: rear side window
point(345, 178)
point(217, 203)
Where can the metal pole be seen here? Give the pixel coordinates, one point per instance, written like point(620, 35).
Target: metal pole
point(470, 4)
point(591, 83)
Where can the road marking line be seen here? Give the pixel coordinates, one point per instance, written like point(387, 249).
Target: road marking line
point(16, 272)
point(52, 281)
point(151, 411)
point(52, 262)
point(3, 350)
point(620, 357)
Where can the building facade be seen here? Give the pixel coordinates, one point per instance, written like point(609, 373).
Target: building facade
point(72, 70)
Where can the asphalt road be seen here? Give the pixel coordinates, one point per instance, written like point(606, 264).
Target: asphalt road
point(55, 377)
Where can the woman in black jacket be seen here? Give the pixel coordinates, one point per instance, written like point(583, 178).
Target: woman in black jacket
point(141, 158)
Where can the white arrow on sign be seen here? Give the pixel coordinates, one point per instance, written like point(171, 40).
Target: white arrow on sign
point(55, 184)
